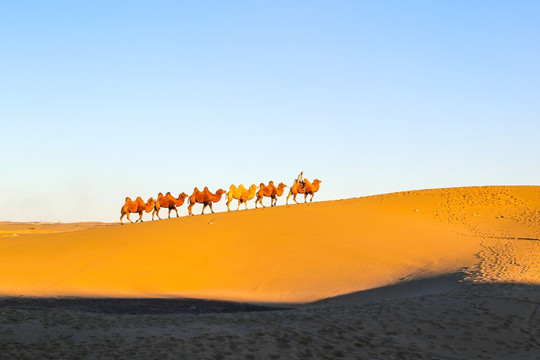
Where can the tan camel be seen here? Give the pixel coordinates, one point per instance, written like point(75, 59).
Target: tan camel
point(270, 191)
point(296, 188)
point(137, 206)
point(204, 197)
point(168, 201)
point(311, 188)
point(241, 194)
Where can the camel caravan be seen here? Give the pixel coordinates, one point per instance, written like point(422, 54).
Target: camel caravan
point(207, 198)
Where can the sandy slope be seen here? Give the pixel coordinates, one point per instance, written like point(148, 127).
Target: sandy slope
point(295, 253)
point(450, 273)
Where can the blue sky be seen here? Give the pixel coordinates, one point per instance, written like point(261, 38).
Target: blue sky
point(102, 100)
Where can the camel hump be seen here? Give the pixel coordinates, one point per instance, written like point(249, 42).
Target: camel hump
point(128, 198)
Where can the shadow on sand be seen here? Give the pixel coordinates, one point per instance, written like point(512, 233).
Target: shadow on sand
point(135, 306)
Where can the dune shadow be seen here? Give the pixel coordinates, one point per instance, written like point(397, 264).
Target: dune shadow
point(446, 284)
point(403, 289)
point(135, 306)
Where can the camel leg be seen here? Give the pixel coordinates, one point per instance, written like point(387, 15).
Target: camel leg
point(203, 209)
point(140, 217)
point(305, 197)
point(189, 209)
point(170, 213)
point(121, 223)
point(245, 203)
point(212, 210)
point(228, 202)
point(128, 217)
point(294, 198)
point(157, 214)
point(175, 209)
point(239, 202)
point(310, 200)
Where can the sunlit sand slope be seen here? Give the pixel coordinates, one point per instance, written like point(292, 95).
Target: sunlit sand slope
point(11, 229)
point(295, 253)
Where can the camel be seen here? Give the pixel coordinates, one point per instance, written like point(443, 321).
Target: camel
point(270, 191)
point(311, 188)
point(137, 206)
point(204, 197)
point(241, 194)
point(295, 189)
point(168, 201)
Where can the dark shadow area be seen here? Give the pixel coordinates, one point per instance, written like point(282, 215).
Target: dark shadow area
point(135, 306)
point(401, 290)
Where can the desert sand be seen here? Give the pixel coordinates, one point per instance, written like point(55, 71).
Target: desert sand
point(432, 274)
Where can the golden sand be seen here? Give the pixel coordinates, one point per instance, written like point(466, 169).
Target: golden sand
point(286, 254)
point(446, 274)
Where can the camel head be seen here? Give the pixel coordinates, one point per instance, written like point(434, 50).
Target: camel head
point(220, 192)
point(316, 182)
point(282, 185)
point(150, 204)
point(183, 195)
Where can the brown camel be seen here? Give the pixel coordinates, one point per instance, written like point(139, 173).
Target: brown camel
point(137, 206)
point(296, 188)
point(204, 197)
point(168, 201)
point(311, 188)
point(270, 191)
point(240, 193)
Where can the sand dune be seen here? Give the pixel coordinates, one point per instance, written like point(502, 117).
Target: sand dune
point(434, 274)
point(287, 254)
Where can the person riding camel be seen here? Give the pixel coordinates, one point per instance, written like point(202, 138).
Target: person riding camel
point(300, 179)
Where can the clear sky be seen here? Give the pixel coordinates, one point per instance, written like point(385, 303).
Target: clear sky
point(100, 100)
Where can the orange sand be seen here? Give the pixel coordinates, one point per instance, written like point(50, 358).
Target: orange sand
point(295, 253)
